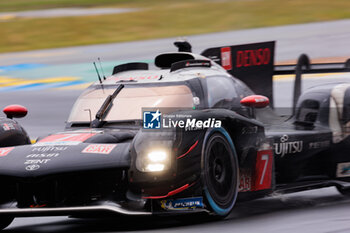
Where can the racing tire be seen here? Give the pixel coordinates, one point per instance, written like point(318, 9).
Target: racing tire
point(220, 172)
point(5, 222)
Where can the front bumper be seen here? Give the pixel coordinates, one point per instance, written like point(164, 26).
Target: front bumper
point(107, 208)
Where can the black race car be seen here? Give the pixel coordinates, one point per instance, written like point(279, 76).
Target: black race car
point(190, 137)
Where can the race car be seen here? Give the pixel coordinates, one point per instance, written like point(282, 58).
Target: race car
point(194, 136)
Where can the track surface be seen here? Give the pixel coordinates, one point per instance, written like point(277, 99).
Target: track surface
point(313, 211)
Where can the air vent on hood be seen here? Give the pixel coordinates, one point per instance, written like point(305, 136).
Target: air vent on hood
point(130, 66)
point(165, 60)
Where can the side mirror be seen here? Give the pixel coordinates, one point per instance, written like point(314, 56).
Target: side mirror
point(15, 111)
point(255, 101)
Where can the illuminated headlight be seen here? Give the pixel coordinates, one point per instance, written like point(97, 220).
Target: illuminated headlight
point(157, 167)
point(154, 161)
point(157, 156)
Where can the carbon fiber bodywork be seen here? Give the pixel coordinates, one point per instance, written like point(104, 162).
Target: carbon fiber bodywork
point(12, 134)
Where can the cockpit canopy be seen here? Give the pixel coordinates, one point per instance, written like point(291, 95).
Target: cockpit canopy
point(130, 101)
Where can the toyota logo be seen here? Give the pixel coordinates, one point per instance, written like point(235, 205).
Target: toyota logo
point(32, 167)
point(284, 138)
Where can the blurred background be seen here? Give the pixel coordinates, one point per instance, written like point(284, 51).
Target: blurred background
point(108, 21)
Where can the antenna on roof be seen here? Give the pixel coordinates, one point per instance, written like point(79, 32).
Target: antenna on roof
point(183, 45)
point(98, 74)
point(103, 73)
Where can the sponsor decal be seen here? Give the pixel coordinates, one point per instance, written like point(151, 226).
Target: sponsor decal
point(5, 127)
point(5, 150)
point(226, 59)
point(32, 167)
point(49, 148)
point(196, 64)
point(126, 78)
point(245, 181)
point(64, 139)
point(8, 126)
point(196, 100)
point(50, 155)
point(343, 169)
point(250, 130)
point(261, 178)
point(259, 100)
point(183, 204)
point(37, 161)
point(99, 148)
point(287, 147)
point(257, 57)
point(319, 145)
point(155, 120)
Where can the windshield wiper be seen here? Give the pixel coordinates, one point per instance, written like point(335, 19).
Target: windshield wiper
point(104, 109)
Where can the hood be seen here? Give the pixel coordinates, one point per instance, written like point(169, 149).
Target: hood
point(70, 151)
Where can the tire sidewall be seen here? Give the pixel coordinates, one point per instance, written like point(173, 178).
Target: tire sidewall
point(217, 210)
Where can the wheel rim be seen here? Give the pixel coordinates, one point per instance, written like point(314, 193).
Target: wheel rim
point(220, 173)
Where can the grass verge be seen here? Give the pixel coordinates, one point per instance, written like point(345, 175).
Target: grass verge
point(163, 18)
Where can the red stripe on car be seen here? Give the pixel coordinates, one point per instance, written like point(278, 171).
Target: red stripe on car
point(171, 193)
point(189, 150)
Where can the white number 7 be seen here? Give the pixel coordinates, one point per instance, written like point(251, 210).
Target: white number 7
point(266, 159)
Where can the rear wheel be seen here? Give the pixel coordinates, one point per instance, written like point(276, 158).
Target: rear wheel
point(219, 172)
point(5, 222)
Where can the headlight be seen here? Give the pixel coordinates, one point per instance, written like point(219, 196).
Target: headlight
point(157, 156)
point(154, 151)
point(156, 160)
point(155, 167)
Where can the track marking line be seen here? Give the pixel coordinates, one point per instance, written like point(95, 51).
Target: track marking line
point(36, 81)
point(288, 77)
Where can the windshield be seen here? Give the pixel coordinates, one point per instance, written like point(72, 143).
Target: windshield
point(129, 102)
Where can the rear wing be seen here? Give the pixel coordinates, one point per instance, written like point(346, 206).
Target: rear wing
point(251, 63)
point(254, 65)
point(304, 66)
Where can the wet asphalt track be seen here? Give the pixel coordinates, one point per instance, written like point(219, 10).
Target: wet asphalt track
point(321, 210)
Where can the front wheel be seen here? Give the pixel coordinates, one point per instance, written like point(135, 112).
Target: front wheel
point(5, 222)
point(220, 172)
